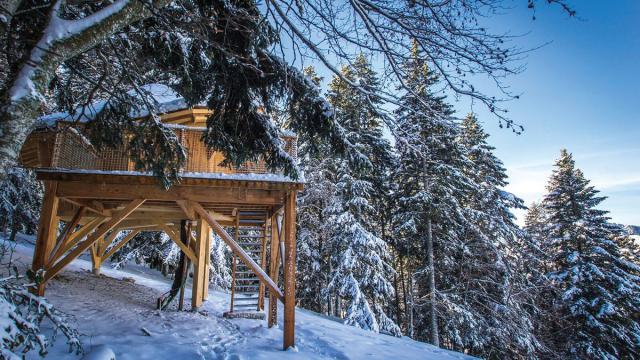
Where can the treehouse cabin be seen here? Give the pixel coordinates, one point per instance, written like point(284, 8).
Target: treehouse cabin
point(98, 195)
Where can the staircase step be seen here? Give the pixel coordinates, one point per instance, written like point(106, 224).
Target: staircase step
point(245, 298)
point(249, 244)
point(245, 306)
point(243, 272)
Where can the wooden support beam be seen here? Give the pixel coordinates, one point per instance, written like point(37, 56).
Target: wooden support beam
point(91, 205)
point(187, 209)
point(74, 238)
point(176, 239)
point(153, 192)
point(289, 270)
point(108, 241)
point(141, 223)
point(98, 249)
point(91, 239)
point(68, 230)
point(47, 231)
point(95, 256)
point(146, 226)
point(199, 266)
point(120, 244)
point(207, 265)
point(273, 267)
point(237, 249)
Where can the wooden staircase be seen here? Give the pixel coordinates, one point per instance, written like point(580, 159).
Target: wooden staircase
point(251, 232)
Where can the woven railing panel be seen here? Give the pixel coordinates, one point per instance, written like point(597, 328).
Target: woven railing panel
point(72, 151)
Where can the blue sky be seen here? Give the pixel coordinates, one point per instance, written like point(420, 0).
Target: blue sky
point(580, 92)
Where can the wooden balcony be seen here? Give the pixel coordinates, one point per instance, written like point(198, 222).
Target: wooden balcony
point(65, 148)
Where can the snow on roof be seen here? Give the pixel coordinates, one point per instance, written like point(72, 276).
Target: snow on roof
point(190, 175)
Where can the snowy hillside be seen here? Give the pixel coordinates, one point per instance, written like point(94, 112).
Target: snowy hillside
point(110, 311)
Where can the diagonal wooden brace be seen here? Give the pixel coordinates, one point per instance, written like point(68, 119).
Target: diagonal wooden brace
point(215, 226)
point(91, 239)
point(73, 239)
point(120, 244)
point(176, 239)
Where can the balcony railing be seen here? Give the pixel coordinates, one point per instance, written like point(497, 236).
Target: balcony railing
point(66, 148)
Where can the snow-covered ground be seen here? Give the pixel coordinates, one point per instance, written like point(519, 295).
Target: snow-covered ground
point(111, 310)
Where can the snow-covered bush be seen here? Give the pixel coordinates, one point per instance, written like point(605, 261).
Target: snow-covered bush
point(29, 322)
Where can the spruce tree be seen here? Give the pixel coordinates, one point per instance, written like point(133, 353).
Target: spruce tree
point(313, 231)
point(337, 228)
point(456, 229)
point(497, 265)
point(430, 182)
point(599, 295)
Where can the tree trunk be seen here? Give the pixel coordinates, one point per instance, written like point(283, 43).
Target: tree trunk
point(410, 308)
point(14, 232)
point(180, 274)
point(403, 282)
point(435, 339)
point(397, 290)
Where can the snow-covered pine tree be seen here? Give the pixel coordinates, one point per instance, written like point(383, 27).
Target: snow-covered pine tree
point(430, 217)
point(452, 210)
point(499, 257)
point(20, 199)
point(313, 231)
point(360, 272)
point(629, 247)
point(313, 253)
point(599, 294)
point(535, 265)
point(535, 221)
point(220, 274)
point(337, 234)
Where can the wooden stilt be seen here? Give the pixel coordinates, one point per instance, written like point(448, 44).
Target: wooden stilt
point(274, 250)
point(47, 231)
point(199, 266)
point(289, 270)
point(96, 260)
point(207, 264)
